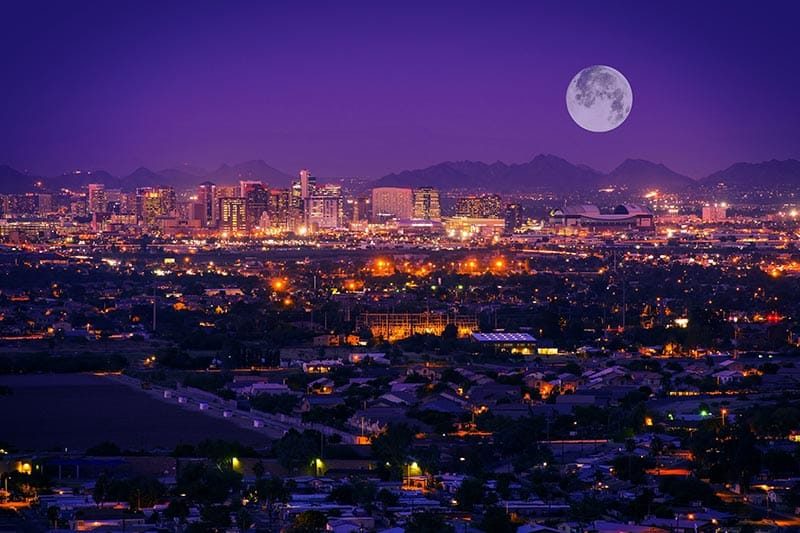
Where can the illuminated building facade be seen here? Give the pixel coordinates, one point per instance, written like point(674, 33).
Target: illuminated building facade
point(206, 193)
point(396, 326)
point(97, 202)
point(627, 217)
point(426, 204)
point(325, 208)
point(483, 206)
point(233, 214)
point(392, 202)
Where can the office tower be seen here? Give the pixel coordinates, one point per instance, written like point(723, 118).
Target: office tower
point(426, 204)
point(97, 202)
point(392, 202)
point(362, 209)
point(307, 183)
point(280, 201)
point(222, 191)
point(233, 214)
point(168, 200)
point(484, 206)
point(154, 202)
point(514, 217)
point(257, 198)
point(325, 207)
point(205, 196)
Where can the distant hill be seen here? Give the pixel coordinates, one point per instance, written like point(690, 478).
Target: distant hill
point(183, 175)
point(642, 174)
point(250, 170)
point(77, 179)
point(14, 181)
point(543, 171)
point(144, 177)
point(765, 174)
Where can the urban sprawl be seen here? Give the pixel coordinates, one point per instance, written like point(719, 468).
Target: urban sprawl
point(333, 356)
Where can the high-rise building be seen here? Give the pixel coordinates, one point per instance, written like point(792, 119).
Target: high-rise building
point(392, 202)
point(233, 214)
point(97, 202)
point(206, 193)
point(361, 208)
point(280, 204)
point(325, 207)
point(426, 204)
point(154, 202)
point(222, 191)
point(483, 206)
point(514, 217)
point(307, 183)
point(257, 203)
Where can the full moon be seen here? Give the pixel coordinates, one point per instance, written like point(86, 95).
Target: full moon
point(599, 98)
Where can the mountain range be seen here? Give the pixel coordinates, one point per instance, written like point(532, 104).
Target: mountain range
point(559, 175)
point(542, 172)
point(181, 177)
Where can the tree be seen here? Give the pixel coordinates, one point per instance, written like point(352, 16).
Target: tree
point(631, 467)
point(177, 509)
point(53, 514)
point(427, 522)
point(391, 446)
point(270, 491)
point(296, 449)
point(258, 470)
point(496, 520)
point(308, 522)
point(243, 519)
point(469, 493)
point(139, 491)
point(208, 484)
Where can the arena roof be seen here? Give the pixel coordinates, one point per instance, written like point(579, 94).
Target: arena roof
point(503, 337)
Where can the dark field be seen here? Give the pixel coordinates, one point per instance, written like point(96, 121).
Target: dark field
point(76, 411)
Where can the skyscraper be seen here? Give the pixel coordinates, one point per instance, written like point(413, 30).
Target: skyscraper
point(280, 202)
point(205, 196)
point(426, 204)
point(325, 207)
point(392, 202)
point(307, 183)
point(257, 198)
point(513, 216)
point(97, 198)
point(233, 214)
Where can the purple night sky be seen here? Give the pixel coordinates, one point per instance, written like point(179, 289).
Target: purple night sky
point(365, 89)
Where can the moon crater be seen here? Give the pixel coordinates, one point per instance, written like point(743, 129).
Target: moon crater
point(599, 98)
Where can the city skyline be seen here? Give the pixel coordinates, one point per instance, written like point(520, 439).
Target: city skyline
point(364, 90)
